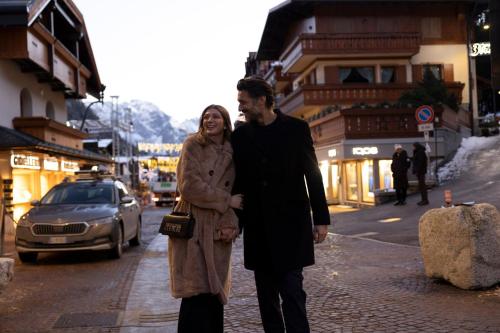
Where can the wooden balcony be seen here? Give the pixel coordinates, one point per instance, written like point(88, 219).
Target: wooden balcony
point(366, 124)
point(50, 131)
point(313, 96)
point(37, 51)
point(308, 47)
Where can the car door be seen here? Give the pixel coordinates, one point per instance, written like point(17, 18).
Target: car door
point(127, 211)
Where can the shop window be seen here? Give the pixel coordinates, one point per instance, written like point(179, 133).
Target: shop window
point(351, 181)
point(49, 111)
point(356, 74)
point(434, 70)
point(323, 167)
point(334, 181)
point(26, 103)
point(385, 174)
point(388, 74)
point(367, 180)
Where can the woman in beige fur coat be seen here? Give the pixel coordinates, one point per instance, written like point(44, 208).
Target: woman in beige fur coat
point(200, 267)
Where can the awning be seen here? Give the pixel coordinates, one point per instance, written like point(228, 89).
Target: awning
point(11, 139)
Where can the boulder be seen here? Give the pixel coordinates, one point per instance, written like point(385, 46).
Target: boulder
point(462, 245)
point(6, 271)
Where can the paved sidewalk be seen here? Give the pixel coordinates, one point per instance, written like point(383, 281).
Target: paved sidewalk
point(357, 285)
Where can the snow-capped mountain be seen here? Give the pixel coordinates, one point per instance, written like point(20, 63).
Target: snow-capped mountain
point(150, 124)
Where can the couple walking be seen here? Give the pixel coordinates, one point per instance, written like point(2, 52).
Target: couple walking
point(252, 180)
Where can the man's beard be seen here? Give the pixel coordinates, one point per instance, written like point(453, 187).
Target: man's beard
point(253, 117)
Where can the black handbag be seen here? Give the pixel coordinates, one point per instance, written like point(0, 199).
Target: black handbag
point(178, 224)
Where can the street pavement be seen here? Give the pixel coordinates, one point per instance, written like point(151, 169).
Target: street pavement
point(357, 285)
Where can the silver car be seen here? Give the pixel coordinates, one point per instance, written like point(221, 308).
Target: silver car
point(93, 214)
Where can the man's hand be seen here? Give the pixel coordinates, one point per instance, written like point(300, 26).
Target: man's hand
point(320, 232)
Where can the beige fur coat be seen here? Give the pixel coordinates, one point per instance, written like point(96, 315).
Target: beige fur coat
point(202, 264)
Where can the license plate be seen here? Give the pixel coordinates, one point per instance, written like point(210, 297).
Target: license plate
point(57, 240)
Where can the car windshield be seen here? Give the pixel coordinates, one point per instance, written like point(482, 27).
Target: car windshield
point(79, 193)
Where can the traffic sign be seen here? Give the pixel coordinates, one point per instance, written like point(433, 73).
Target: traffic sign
point(424, 114)
point(425, 127)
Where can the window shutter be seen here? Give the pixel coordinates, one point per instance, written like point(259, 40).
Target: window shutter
point(401, 74)
point(332, 74)
point(448, 73)
point(417, 73)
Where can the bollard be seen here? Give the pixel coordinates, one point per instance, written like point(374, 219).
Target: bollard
point(447, 198)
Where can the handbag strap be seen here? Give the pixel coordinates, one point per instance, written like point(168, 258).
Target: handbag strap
point(177, 193)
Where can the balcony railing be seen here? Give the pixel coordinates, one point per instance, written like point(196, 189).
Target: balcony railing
point(331, 94)
point(365, 124)
point(332, 45)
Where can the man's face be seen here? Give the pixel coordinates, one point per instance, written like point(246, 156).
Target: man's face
point(252, 108)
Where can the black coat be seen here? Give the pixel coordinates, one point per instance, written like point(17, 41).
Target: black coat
point(399, 167)
point(276, 217)
point(419, 160)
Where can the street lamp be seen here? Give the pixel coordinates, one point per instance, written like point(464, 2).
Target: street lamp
point(99, 100)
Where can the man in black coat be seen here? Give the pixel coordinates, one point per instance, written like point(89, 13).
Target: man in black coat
point(399, 167)
point(274, 158)
point(419, 169)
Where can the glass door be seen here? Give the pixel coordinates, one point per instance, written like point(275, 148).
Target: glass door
point(351, 181)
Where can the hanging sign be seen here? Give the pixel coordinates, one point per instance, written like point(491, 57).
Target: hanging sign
point(480, 49)
point(20, 161)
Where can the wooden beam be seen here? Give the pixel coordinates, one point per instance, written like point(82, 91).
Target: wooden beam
point(66, 16)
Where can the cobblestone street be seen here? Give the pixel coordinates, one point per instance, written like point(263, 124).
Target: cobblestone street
point(367, 286)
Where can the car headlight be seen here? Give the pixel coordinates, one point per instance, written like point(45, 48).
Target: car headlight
point(24, 221)
point(104, 220)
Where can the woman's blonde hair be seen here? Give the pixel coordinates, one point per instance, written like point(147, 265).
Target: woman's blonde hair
point(228, 128)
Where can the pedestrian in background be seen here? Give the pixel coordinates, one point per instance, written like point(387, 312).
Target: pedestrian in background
point(419, 168)
point(399, 167)
point(273, 154)
point(200, 271)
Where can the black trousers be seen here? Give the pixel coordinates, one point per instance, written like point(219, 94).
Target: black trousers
point(421, 187)
point(288, 286)
point(401, 194)
point(201, 313)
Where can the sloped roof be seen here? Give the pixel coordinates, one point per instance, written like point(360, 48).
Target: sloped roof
point(12, 139)
point(26, 13)
point(280, 17)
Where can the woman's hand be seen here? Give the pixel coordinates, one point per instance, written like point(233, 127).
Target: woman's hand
point(236, 201)
point(228, 234)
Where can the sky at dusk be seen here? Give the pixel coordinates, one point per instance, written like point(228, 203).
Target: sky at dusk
point(180, 55)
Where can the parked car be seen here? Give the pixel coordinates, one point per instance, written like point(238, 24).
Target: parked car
point(86, 214)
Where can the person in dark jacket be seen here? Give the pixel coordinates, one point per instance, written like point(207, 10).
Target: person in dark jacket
point(274, 158)
point(419, 169)
point(399, 167)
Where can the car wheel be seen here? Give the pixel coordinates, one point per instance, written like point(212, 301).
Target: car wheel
point(28, 257)
point(117, 251)
point(136, 241)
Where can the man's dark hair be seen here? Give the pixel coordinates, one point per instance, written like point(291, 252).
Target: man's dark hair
point(257, 87)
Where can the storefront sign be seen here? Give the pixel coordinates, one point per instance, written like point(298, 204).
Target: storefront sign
point(69, 166)
point(332, 153)
point(50, 164)
point(364, 151)
point(160, 147)
point(480, 49)
point(20, 161)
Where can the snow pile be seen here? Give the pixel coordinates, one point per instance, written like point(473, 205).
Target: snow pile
point(460, 162)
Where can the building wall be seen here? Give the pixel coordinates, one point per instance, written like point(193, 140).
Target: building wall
point(13, 81)
point(447, 54)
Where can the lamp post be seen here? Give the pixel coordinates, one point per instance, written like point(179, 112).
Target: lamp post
point(99, 100)
point(115, 128)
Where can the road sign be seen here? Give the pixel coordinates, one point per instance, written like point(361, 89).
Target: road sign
point(424, 114)
point(425, 127)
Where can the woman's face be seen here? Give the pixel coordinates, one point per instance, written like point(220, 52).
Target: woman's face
point(213, 123)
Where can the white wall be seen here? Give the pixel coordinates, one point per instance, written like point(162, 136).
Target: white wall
point(12, 81)
point(447, 54)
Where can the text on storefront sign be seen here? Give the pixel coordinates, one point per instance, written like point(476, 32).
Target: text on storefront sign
point(364, 150)
point(20, 161)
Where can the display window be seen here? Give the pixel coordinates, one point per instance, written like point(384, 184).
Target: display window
point(385, 174)
point(352, 189)
point(26, 187)
point(334, 175)
point(367, 180)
